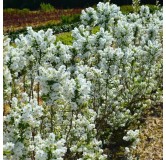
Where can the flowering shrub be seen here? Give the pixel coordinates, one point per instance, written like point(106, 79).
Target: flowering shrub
point(83, 101)
point(23, 138)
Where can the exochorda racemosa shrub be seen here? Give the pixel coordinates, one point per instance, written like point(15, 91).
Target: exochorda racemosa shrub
point(83, 101)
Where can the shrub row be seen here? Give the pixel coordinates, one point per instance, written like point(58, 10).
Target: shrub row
point(46, 7)
point(126, 9)
point(83, 101)
point(56, 29)
point(70, 19)
point(35, 4)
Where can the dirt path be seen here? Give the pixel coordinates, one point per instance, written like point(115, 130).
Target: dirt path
point(151, 139)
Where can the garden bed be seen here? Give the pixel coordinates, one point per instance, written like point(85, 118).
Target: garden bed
point(15, 20)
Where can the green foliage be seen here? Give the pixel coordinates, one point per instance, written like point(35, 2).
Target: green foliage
point(35, 4)
point(136, 5)
point(65, 38)
point(95, 29)
point(46, 7)
point(153, 8)
point(10, 10)
point(16, 11)
point(59, 28)
point(126, 9)
point(25, 10)
point(70, 18)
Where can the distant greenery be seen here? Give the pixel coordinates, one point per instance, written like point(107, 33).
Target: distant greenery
point(46, 7)
point(67, 22)
point(16, 11)
point(70, 19)
point(73, 18)
point(35, 4)
point(126, 9)
point(152, 8)
point(59, 28)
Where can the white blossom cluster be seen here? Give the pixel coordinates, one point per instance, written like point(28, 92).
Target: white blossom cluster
point(132, 136)
point(22, 135)
point(104, 15)
point(82, 99)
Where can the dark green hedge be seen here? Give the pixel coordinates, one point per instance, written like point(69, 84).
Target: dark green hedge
point(20, 4)
point(126, 9)
point(56, 29)
point(35, 4)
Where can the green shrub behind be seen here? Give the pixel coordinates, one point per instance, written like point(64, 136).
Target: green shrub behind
point(126, 9)
point(46, 7)
point(16, 11)
point(68, 19)
point(152, 8)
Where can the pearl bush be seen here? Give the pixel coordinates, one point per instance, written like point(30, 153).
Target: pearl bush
point(82, 101)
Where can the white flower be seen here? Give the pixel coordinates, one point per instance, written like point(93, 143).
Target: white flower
point(8, 146)
point(40, 155)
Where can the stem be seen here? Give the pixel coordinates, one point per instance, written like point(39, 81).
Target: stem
point(41, 126)
point(52, 119)
point(14, 88)
point(38, 87)
point(24, 82)
point(106, 105)
point(11, 95)
point(71, 123)
point(31, 91)
point(33, 152)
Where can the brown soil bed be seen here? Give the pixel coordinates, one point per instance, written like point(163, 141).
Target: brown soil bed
point(18, 20)
point(150, 146)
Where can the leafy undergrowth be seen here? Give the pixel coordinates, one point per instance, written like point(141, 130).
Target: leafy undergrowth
point(150, 146)
point(65, 37)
